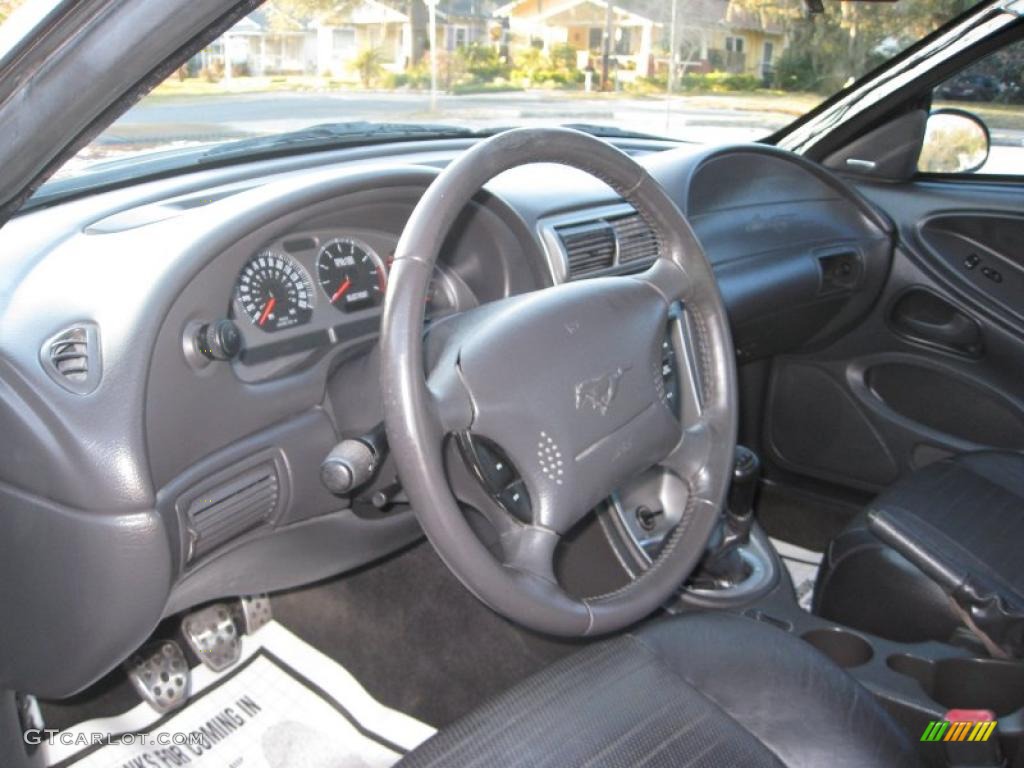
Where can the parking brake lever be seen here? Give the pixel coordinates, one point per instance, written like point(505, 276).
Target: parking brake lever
point(986, 612)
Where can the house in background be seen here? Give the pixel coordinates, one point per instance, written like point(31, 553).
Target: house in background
point(712, 35)
point(343, 33)
point(580, 24)
point(719, 36)
point(271, 42)
point(462, 23)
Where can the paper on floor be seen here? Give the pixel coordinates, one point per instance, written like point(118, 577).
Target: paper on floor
point(284, 705)
point(803, 565)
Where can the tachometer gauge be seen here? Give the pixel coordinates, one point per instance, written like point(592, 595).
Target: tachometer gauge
point(275, 292)
point(351, 274)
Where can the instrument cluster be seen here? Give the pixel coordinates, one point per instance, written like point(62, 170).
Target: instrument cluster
point(325, 287)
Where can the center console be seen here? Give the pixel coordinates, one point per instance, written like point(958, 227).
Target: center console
point(920, 684)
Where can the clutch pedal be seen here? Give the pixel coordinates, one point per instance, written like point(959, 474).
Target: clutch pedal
point(213, 637)
point(160, 675)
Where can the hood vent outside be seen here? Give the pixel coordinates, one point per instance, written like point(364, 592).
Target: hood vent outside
point(72, 358)
point(603, 240)
point(229, 509)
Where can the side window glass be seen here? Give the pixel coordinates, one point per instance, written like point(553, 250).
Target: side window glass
point(977, 120)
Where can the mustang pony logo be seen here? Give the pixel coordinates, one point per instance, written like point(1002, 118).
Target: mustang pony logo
point(600, 391)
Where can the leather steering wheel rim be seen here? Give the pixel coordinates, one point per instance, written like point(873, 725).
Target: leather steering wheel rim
point(453, 384)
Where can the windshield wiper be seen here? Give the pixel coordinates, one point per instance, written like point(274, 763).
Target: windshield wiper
point(336, 135)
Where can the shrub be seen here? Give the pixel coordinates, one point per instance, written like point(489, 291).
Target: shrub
point(719, 82)
point(369, 64)
point(212, 73)
point(533, 68)
point(481, 63)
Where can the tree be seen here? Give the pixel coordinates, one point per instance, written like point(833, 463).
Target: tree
point(7, 8)
point(825, 51)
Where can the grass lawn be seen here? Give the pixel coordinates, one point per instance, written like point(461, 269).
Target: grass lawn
point(754, 101)
point(196, 86)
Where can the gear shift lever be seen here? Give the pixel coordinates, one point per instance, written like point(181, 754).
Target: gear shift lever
point(739, 511)
point(723, 563)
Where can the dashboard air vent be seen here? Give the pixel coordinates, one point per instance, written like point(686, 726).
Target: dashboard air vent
point(72, 358)
point(589, 247)
point(636, 239)
point(231, 508)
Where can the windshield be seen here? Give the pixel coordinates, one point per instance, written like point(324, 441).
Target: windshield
point(708, 71)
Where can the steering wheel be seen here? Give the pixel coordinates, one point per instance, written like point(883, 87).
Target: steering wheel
point(566, 385)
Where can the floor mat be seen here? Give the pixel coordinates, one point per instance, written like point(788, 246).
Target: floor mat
point(284, 705)
point(417, 639)
point(803, 565)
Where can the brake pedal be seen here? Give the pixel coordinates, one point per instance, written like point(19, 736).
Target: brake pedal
point(256, 612)
point(213, 637)
point(160, 675)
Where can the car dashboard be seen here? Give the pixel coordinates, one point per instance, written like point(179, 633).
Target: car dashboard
point(171, 477)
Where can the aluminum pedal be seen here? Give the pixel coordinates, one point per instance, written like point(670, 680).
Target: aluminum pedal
point(213, 637)
point(256, 612)
point(160, 675)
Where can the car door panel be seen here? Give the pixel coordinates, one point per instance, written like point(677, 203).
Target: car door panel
point(935, 368)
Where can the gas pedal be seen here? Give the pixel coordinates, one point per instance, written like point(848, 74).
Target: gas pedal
point(160, 675)
point(212, 635)
point(256, 612)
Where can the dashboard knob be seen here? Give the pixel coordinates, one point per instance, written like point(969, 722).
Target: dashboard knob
point(220, 340)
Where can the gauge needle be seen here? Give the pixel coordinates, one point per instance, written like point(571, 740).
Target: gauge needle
point(267, 310)
point(346, 284)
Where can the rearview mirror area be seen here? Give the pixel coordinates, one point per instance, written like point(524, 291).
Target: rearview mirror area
point(955, 141)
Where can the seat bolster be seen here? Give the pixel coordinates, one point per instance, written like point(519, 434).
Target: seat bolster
point(794, 699)
point(700, 691)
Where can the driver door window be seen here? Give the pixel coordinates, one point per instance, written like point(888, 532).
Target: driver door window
point(991, 90)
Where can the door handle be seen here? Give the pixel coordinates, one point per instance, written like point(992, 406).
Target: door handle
point(922, 316)
point(959, 331)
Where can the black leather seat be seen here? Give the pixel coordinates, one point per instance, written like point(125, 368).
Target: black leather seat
point(968, 510)
point(713, 690)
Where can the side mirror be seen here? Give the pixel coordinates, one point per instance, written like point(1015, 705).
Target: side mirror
point(955, 141)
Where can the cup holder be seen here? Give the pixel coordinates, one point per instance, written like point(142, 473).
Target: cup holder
point(844, 648)
point(966, 683)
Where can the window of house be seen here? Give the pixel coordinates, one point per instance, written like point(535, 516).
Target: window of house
point(344, 39)
point(596, 38)
point(623, 41)
point(460, 36)
point(734, 44)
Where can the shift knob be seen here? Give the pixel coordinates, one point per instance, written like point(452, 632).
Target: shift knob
point(745, 474)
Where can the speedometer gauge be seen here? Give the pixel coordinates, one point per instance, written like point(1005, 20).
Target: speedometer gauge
point(351, 274)
point(275, 292)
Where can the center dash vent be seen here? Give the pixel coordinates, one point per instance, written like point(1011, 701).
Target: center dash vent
point(589, 247)
point(229, 509)
point(636, 239)
point(72, 358)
